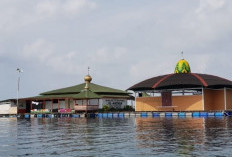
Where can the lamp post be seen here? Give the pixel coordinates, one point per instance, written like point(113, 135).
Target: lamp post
point(19, 71)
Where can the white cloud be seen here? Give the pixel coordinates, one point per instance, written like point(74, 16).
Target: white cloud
point(74, 6)
point(122, 42)
point(49, 8)
point(15, 15)
point(201, 27)
point(46, 55)
point(108, 55)
point(199, 63)
point(210, 5)
point(150, 67)
point(39, 50)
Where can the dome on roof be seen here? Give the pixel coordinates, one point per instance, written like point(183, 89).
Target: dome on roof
point(182, 66)
point(88, 78)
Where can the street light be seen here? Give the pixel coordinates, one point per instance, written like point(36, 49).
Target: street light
point(20, 71)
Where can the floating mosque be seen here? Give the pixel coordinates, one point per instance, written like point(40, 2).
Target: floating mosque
point(183, 91)
point(85, 97)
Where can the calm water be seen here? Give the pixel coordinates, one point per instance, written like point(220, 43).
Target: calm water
point(116, 137)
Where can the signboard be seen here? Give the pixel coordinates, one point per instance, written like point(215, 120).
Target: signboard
point(115, 103)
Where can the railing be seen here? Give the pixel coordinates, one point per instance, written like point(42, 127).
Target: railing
point(86, 107)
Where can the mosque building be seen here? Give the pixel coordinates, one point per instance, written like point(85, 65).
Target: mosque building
point(85, 97)
point(183, 91)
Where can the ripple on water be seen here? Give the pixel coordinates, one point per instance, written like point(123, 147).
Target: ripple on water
point(116, 137)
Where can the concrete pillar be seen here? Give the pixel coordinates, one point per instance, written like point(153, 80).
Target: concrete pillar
point(225, 99)
point(203, 99)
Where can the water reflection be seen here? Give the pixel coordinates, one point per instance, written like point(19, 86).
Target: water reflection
point(116, 137)
point(184, 136)
point(71, 137)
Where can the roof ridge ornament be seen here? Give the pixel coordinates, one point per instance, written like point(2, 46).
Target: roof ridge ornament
point(87, 79)
point(182, 66)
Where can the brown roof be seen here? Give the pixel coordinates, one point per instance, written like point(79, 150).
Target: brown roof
point(179, 81)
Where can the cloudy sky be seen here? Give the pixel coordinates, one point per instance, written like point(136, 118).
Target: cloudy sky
point(123, 42)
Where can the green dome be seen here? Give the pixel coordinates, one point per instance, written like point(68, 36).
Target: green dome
point(182, 66)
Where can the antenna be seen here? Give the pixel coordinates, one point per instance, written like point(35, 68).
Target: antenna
point(182, 54)
point(19, 70)
point(88, 69)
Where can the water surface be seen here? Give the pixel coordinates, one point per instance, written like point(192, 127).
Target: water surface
point(116, 137)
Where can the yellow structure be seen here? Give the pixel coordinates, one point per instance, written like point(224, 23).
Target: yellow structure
point(211, 100)
point(183, 91)
point(182, 66)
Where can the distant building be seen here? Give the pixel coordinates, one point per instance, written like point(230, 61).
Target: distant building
point(8, 107)
point(83, 97)
point(183, 91)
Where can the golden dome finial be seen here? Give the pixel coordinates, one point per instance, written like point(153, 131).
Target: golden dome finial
point(87, 79)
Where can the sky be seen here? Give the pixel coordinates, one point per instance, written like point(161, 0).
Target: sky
point(123, 42)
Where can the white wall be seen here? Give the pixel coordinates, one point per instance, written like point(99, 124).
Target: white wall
point(5, 108)
point(8, 108)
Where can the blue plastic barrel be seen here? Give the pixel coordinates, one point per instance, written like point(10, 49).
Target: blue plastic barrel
point(168, 114)
point(203, 114)
point(121, 115)
point(76, 116)
point(218, 114)
point(196, 114)
point(39, 115)
point(27, 116)
point(110, 115)
point(210, 114)
point(143, 114)
point(99, 115)
point(181, 114)
point(115, 115)
point(49, 116)
point(92, 115)
point(104, 115)
point(155, 114)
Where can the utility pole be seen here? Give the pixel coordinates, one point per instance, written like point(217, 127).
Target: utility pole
point(19, 71)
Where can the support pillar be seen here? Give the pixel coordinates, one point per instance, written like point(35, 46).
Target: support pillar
point(43, 104)
point(225, 99)
point(51, 106)
point(86, 106)
point(203, 99)
point(31, 105)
